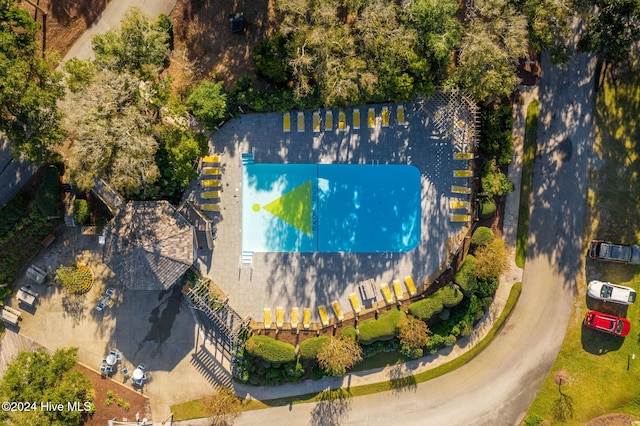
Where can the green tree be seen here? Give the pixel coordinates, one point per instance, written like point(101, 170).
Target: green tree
point(224, 407)
point(494, 182)
point(490, 260)
point(139, 44)
point(29, 88)
point(208, 104)
point(612, 30)
point(270, 59)
point(548, 26)
point(39, 376)
point(337, 355)
point(178, 151)
point(496, 132)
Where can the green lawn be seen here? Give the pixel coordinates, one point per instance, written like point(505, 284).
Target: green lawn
point(601, 377)
point(528, 156)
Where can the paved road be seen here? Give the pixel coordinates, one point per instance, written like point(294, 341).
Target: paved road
point(498, 386)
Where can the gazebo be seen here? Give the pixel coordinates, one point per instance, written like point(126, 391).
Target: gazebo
point(149, 245)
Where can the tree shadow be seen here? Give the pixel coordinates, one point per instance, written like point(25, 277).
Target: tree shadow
point(333, 407)
point(73, 306)
point(400, 381)
point(563, 408)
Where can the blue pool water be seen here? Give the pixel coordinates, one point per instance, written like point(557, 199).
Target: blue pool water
point(330, 208)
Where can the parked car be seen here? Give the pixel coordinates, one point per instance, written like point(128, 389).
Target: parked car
point(623, 253)
point(607, 323)
point(610, 292)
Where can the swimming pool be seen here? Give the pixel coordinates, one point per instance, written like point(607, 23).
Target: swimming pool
point(330, 208)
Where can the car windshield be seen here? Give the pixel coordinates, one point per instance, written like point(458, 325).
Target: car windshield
point(605, 291)
point(632, 296)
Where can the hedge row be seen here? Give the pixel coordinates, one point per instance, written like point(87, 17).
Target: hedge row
point(383, 328)
point(447, 296)
point(270, 350)
point(465, 277)
point(309, 348)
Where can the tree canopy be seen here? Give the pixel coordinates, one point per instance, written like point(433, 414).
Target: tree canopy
point(29, 88)
point(337, 355)
point(39, 376)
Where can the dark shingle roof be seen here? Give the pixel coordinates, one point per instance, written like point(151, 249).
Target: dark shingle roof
point(149, 245)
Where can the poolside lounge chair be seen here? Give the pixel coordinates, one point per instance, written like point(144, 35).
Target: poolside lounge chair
point(211, 171)
point(324, 318)
point(460, 189)
point(460, 218)
point(294, 318)
point(462, 156)
point(371, 118)
point(211, 194)
point(328, 120)
point(286, 122)
point(463, 173)
point(342, 120)
point(267, 318)
point(355, 303)
point(279, 317)
point(300, 121)
point(458, 204)
point(385, 116)
point(410, 285)
point(386, 293)
point(316, 121)
point(306, 318)
point(356, 118)
point(337, 310)
point(400, 115)
point(211, 159)
point(210, 207)
point(211, 183)
point(397, 289)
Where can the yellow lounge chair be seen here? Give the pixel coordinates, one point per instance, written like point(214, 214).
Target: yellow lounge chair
point(306, 318)
point(322, 310)
point(397, 289)
point(211, 194)
point(457, 204)
point(460, 189)
point(400, 114)
point(385, 116)
point(286, 122)
point(356, 119)
point(279, 317)
point(410, 285)
point(460, 218)
point(342, 120)
point(462, 173)
point(211, 182)
point(211, 159)
point(355, 303)
point(316, 121)
point(294, 318)
point(301, 121)
point(328, 120)
point(462, 156)
point(386, 293)
point(371, 118)
point(210, 207)
point(211, 171)
point(267, 318)
point(337, 310)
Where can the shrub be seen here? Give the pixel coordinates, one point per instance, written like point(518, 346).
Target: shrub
point(337, 355)
point(208, 103)
point(412, 353)
point(434, 342)
point(494, 181)
point(444, 315)
point(293, 371)
point(488, 208)
point(465, 277)
point(270, 350)
point(486, 287)
point(482, 236)
point(80, 212)
point(77, 279)
point(445, 297)
point(270, 59)
point(48, 193)
point(383, 328)
point(450, 340)
point(496, 135)
point(490, 260)
point(349, 332)
point(413, 332)
point(309, 348)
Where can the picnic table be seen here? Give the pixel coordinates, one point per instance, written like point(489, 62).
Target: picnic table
point(27, 296)
point(10, 315)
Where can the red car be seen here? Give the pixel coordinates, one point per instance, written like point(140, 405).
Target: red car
point(608, 323)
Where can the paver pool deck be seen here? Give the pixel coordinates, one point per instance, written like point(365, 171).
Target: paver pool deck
point(312, 279)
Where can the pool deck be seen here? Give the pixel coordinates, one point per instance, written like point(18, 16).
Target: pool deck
point(308, 280)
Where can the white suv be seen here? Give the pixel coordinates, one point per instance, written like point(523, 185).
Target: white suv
point(611, 292)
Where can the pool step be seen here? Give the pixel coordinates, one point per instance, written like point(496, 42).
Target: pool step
point(247, 158)
point(247, 256)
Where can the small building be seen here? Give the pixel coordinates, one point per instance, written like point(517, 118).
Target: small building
point(149, 245)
